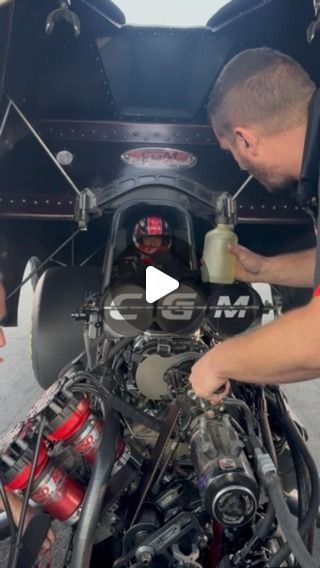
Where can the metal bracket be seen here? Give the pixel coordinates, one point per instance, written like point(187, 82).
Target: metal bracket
point(314, 26)
point(63, 13)
point(162, 540)
point(86, 208)
point(226, 209)
point(316, 6)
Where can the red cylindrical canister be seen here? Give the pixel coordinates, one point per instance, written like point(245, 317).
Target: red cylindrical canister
point(58, 493)
point(18, 472)
point(71, 420)
point(52, 487)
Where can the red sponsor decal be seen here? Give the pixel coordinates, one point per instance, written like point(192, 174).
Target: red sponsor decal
point(159, 158)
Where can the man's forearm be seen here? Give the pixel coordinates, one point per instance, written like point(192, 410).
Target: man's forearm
point(274, 353)
point(293, 269)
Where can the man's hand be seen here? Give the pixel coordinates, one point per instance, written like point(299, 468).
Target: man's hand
point(249, 265)
point(292, 269)
point(206, 380)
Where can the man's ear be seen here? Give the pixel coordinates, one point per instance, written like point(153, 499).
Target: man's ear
point(246, 140)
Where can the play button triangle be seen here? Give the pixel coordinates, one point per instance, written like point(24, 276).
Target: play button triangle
point(158, 284)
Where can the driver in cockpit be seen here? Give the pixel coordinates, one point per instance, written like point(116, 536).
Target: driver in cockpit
point(152, 236)
point(151, 246)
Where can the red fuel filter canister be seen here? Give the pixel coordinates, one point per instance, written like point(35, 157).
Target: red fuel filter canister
point(70, 419)
point(53, 488)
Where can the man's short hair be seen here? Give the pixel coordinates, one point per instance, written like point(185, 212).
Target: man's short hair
point(261, 87)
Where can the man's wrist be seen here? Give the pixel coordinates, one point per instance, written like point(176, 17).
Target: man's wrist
point(218, 359)
point(265, 272)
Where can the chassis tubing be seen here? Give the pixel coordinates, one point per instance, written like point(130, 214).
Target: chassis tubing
point(93, 500)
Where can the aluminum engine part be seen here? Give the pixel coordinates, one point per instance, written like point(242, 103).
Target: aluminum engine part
point(152, 358)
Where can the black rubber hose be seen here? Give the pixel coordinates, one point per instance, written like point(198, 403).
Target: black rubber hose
point(84, 537)
point(264, 525)
point(287, 524)
point(292, 501)
point(253, 439)
point(302, 484)
point(117, 347)
point(265, 428)
point(302, 478)
point(307, 523)
point(303, 487)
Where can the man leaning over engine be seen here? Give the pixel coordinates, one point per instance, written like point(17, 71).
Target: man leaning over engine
point(265, 110)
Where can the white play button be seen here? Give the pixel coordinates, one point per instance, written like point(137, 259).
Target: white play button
point(158, 284)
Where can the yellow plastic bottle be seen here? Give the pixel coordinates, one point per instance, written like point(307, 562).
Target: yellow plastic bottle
point(218, 264)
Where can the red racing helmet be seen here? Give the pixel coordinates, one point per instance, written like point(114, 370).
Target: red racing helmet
point(152, 234)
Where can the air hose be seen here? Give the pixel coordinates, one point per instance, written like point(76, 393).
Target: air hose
point(292, 433)
point(272, 485)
